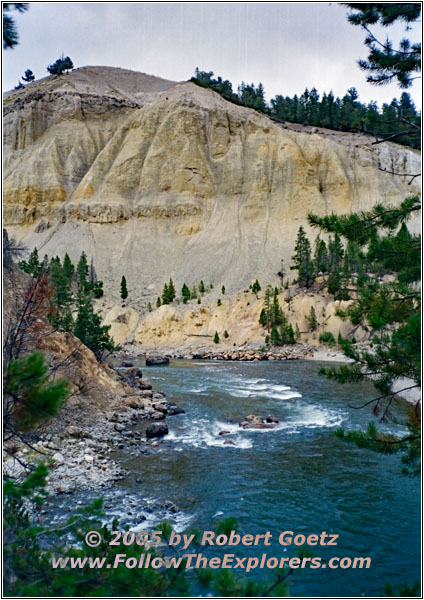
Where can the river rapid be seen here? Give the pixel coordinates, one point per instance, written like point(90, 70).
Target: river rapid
point(298, 476)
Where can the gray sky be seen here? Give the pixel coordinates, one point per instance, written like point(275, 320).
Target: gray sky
point(287, 46)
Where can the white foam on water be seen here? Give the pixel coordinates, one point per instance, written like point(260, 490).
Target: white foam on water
point(218, 513)
point(203, 433)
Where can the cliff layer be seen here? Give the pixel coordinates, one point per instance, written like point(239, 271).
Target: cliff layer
point(157, 179)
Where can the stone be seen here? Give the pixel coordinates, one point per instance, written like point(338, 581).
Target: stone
point(73, 431)
point(224, 432)
point(88, 458)
point(175, 410)
point(58, 458)
point(153, 359)
point(158, 416)
point(119, 427)
point(229, 443)
point(156, 430)
point(271, 419)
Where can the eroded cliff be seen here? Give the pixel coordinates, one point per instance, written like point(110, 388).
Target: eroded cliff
point(157, 179)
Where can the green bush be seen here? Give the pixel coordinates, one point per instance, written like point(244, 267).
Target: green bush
point(327, 338)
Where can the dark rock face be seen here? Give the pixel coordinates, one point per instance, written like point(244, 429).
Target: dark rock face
point(156, 359)
point(156, 430)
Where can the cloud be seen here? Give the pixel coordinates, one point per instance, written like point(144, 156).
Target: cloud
point(286, 46)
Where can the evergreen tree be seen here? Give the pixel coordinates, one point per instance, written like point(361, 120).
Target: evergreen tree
point(10, 33)
point(223, 289)
point(256, 287)
point(29, 76)
point(31, 395)
point(149, 307)
point(335, 252)
point(334, 281)
point(268, 307)
point(320, 256)
point(275, 336)
point(384, 64)
point(297, 333)
point(312, 319)
point(82, 269)
point(158, 302)
point(392, 309)
point(276, 312)
point(32, 267)
point(68, 267)
point(185, 293)
point(193, 294)
point(165, 294)
point(61, 65)
point(202, 287)
point(88, 327)
point(61, 315)
point(124, 289)
point(302, 259)
point(216, 338)
point(263, 320)
point(171, 290)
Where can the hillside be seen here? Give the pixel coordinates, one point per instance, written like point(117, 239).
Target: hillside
point(157, 179)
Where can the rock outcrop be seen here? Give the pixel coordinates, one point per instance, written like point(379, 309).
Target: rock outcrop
point(154, 179)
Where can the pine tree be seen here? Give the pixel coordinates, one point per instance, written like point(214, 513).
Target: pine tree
point(385, 64)
point(223, 289)
point(171, 291)
point(124, 289)
point(302, 259)
point(61, 315)
point(275, 336)
point(256, 287)
point(201, 287)
point(320, 256)
point(68, 267)
point(334, 281)
point(149, 307)
point(33, 263)
point(312, 319)
point(268, 307)
point(185, 293)
point(165, 294)
point(263, 318)
point(88, 327)
point(392, 309)
point(82, 269)
point(216, 338)
point(29, 76)
point(31, 395)
point(276, 311)
point(158, 302)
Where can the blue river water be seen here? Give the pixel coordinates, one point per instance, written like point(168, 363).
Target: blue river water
point(297, 477)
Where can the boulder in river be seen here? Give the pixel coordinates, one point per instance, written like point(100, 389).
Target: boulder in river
point(271, 419)
point(156, 430)
point(154, 359)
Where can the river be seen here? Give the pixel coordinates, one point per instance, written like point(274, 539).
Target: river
point(297, 477)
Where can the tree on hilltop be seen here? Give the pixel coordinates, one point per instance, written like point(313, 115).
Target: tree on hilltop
point(61, 65)
point(28, 76)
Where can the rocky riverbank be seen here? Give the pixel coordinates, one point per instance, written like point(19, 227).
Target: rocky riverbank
point(79, 447)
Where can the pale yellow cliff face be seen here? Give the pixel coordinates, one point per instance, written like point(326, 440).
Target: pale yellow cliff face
point(156, 179)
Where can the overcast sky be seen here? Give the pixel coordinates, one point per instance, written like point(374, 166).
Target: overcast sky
point(287, 46)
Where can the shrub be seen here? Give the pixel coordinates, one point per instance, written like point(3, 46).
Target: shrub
point(327, 338)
